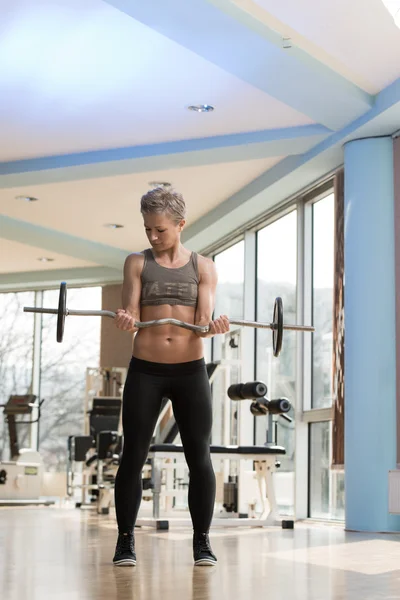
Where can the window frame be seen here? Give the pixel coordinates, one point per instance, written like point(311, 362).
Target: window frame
point(310, 414)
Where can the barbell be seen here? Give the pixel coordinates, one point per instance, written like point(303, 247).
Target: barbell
point(62, 311)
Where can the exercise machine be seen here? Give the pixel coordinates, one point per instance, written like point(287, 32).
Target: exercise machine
point(169, 457)
point(21, 476)
point(93, 459)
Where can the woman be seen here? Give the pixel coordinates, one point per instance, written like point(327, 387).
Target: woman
point(164, 281)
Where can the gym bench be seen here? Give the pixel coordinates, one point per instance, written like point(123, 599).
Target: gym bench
point(265, 460)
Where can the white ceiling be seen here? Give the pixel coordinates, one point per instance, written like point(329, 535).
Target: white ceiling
point(80, 75)
point(82, 208)
point(16, 257)
point(359, 35)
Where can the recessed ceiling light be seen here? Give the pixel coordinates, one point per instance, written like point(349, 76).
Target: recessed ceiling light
point(201, 108)
point(45, 259)
point(26, 198)
point(113, 225)
point(159, 184)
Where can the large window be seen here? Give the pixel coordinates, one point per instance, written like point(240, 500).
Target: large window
point(230, 269)
point(63, 371)
point(62, 368)
point(16, 351)
point(277, 276)
point(230, 301)
point(326, 485)
point(322, 305)
point(294, 259)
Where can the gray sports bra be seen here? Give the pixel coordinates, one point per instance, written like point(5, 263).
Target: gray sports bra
point(161, 285)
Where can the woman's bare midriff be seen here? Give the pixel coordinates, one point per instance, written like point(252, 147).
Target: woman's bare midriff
point(167, 343)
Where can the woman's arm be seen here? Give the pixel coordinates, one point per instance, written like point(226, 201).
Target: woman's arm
point(131, 292)
point(206, 299)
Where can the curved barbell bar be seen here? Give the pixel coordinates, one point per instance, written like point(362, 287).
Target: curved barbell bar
point(276, 326)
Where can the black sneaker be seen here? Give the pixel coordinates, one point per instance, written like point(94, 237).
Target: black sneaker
point(202, 553)
point(125, 555)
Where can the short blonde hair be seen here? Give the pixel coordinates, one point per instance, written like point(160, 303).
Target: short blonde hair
point(163, 199)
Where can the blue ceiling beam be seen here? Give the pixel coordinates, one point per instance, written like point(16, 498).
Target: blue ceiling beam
point(293, 174)
point(51, 278)
point(168, 155)
point(61, 243)
point(229, 37)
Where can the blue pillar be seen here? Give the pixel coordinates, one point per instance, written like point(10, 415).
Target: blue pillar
point(370, 339)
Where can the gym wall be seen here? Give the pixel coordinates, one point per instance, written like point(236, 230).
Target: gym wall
point(115, 345)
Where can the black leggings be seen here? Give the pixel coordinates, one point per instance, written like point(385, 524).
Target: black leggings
point(188, 388)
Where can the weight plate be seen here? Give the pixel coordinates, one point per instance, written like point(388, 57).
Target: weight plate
point(277, 321)
point(62, 310)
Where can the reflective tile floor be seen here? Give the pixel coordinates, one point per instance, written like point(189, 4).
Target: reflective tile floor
point(65, 554)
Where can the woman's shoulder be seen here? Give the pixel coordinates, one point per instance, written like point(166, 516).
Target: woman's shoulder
point(204, 259)
point(205, 264)
point(137, 256)
point(135, 259)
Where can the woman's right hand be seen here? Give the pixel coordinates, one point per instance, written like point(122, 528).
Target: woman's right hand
point(125, 321)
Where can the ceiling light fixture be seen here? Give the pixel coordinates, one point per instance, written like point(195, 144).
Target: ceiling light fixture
point(45, 259)
point(286, 43)
point(393, 6)
point(202, 108)
point(154, 184)
point(113, 226)
point(26, 198)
